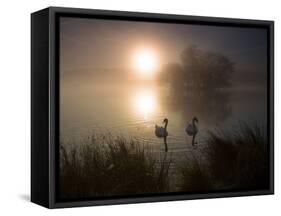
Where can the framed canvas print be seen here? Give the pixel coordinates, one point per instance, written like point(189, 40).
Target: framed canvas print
point(139, 107)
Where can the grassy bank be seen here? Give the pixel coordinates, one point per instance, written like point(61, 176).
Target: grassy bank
point(106, 165)
point(233, 160)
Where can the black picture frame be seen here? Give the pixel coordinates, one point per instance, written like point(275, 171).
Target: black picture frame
point(45, 103)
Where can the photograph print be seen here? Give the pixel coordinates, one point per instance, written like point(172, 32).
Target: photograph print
point(153, 108)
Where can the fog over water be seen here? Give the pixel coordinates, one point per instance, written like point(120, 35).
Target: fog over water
point(101, 90)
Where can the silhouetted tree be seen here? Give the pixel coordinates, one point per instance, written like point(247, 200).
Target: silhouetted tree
point(199, 70)
point(206, 69)
point(196, 83)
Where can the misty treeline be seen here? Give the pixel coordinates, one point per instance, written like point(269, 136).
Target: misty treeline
point(199, 70)
point(198, 84)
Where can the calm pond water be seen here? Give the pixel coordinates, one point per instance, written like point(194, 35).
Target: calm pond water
point(133, 110)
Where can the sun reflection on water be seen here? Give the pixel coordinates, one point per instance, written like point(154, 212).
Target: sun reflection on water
point(145, 102)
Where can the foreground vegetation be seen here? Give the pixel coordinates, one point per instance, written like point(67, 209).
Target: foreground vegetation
point(106, 165)
point(236, 160)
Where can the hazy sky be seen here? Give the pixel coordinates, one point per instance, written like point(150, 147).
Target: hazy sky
point(87, 44)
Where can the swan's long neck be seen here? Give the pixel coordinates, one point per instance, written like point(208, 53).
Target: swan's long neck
point(166, 124)
point(193, 122)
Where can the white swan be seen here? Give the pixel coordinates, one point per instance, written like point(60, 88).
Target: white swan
point(192, 129)
point(161, 132)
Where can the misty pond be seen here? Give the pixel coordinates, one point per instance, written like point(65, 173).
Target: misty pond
point(120, 79)
point(133, 110)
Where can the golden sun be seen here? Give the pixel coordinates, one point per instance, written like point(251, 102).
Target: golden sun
point(146, 62)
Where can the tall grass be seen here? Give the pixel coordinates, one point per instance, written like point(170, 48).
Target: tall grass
point(193, 177)
point(234, 160)
point(107, 165)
